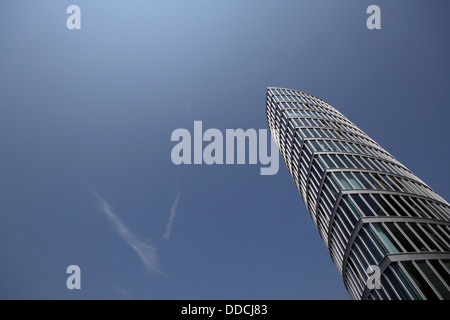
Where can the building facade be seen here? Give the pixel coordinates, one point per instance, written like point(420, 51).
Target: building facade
point(372, 213)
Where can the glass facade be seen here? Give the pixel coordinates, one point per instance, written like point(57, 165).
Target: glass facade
point(369, 209)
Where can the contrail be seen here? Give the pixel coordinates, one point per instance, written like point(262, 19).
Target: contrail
point(173, 211)
point(146, 252)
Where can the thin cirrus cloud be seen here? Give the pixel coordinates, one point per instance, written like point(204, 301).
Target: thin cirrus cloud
point(146, 252)
point(173, 212)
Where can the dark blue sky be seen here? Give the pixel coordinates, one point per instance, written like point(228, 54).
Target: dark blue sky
point(91, 111)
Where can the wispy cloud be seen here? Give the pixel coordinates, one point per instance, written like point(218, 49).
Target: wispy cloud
point(123, 292)
point(173, 212)
point(146, 252)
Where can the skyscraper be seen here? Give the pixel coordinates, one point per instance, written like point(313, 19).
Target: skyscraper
point(373, 214)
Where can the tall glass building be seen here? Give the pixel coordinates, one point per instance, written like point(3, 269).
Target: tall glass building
point(370, 210)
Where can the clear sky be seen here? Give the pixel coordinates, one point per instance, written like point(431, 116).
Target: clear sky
point(86, 117)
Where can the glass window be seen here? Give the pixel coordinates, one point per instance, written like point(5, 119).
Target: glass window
point(346, 227)
point(337, 161)
point(400, 290)
point(417, 206)
point(371, 180)
point(386, 237)
point(332, 145)
point(324, 145)
point(441, 270)
point(376, 239)
point(321, 163)
point(317, 168)
point(406, 281)
point(361, 163)
point(386, 285)
point(315, 145)
point(419, 280)
point(434, 279)
point(361, 179)
point(346, 161)
point(381, 182)
point(353, 181)
point(385, 166)
point(381, 200)
point(390, 182)
point(362, 205)
point(328, 161)
point(291, 113)
point(405, 243)
point(370, 163)
point(351, 217)
point(314, 133)
point(331, 188)
point(375, 249)
point(339, 146)
point(350, 206)
point(426, 238)
point(333, 180)
point(306, 149)
point(342, 180)
point(347, 147)
point(414, 239)
point(403, 201)
point(303, 133)
point(392, 199)
point(373, 205)
point(357, 149)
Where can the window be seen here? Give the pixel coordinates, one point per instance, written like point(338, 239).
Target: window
point(361, 179)
point(405, 243)
point(386, 237)
point(381, 200)
point(321, 163)
point(390, 182)
point(324, 146)
point(374, 184)
point(317, 168)
point(437, 283)
point(328, 161)
point(440, 268)
point(392, 199)
point(351, 207)
point(347, 147)
point(337, 161)
point(346, 161)
point(333, 146)
point(426, 238)
point(406, 281)
point(362, 205)
point(401, 292)
point(353, 181)
point(331, 188)
point(342, 180)
point(419, 280)
point(373, 205)
point(375, 249)
point(315, 145)
point(381, 182)
point(414, 239)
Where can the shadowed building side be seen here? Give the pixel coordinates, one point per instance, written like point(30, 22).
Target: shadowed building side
point(369, 209)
